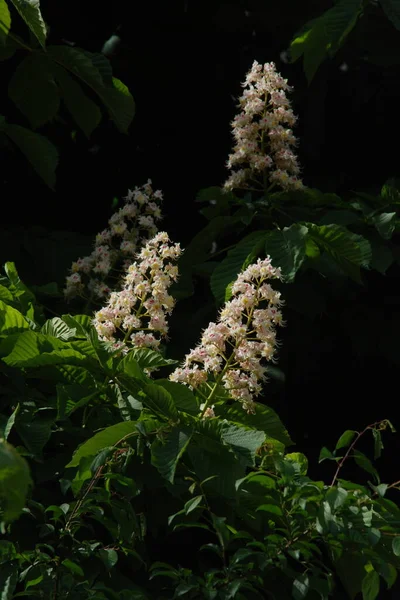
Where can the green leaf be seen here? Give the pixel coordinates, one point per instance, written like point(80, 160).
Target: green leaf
point(370, 586)
point(325, 454)
point(300, 459)
point(10, 422)
point(324, 35)
point(30, 12)
point(149, 359)
point(240, 256)
point(8, 581)
point(109, 557)
point(166, 451)
point(244, 442)
point(58, 328)
point(365, 464)
point(391, 9)
point(158, 400)
point(349, 251)
point(264, 419)
point(301, 587)
point(382, 256)
point(39, 151)
point(33, 90)
point(5, 22)
point(85, 66)
point(120, 104)
point(378, 444)
point(84, 111)
point(15, 481)
point(345, 439)
point(183, 398)
point(192, 504)
point(11, 320)
point(33, 349)
point(287, 249)
point(73, 567)
point(385, 224)
point(110, 436)
point(336, 496)
point(389, 573)
point(396, 545)
point(81, 323)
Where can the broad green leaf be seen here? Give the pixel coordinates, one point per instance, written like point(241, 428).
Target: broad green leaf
point(35, 349)
point(349, 251)
point(370, 586)
point(84, 111)
point(193, 503)
point(391, 9)
point(167, 450)
point(227, 271)
point(35, 430)
point(5, 22)
point(33, 90)
point(81, 323)
point(396, 545)
point(183, 398)
point(57, 328)
point(8, 581)
point(265, 419)
point(149, 359)
point(11, 320)
point(287, 249)
point(364, 462)
point(129, 407)
point(385, 223)
point(15, 481)
point(5, 295)
point(120, 104)
point(389, 573)
point(301, 587)
point(324, 35)
point(115, 96)
point(325, 454)
point(30, 12)
point(272, 509)
point(336, 496)
point(345, 439)
point(159, 401)
point(109, 557)
point(110, 436)
point(300, 459)
point(244, 442)
point(39, 151)
point(22, 294)
point(73, 567)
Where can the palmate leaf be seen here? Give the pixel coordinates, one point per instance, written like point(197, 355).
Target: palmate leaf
point(104, 439)
point(39, 151)
point(324, 35)
point(33, 90)
point(30, 12)
point(166, 452)
point(241, 255)
point(83, 110)
point(349, 250)
point(5, 22)
point(115, 96)
point(11, 320)
point(287, 249)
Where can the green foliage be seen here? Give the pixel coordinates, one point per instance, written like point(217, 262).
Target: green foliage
point(47, 75)
point(15, 481)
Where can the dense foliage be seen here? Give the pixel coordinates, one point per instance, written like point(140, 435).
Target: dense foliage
point(135, 467)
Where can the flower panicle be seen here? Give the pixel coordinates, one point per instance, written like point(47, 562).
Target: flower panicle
point(137, 314)
point(233, 351)
point(128, 229)
point(263, 138)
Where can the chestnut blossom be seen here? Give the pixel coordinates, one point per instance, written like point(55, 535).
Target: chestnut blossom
point(129, 228)
point(137, 313)
point(234, 350)
point(263, 135)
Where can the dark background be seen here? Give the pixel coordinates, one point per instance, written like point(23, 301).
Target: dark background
point(183, 62)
